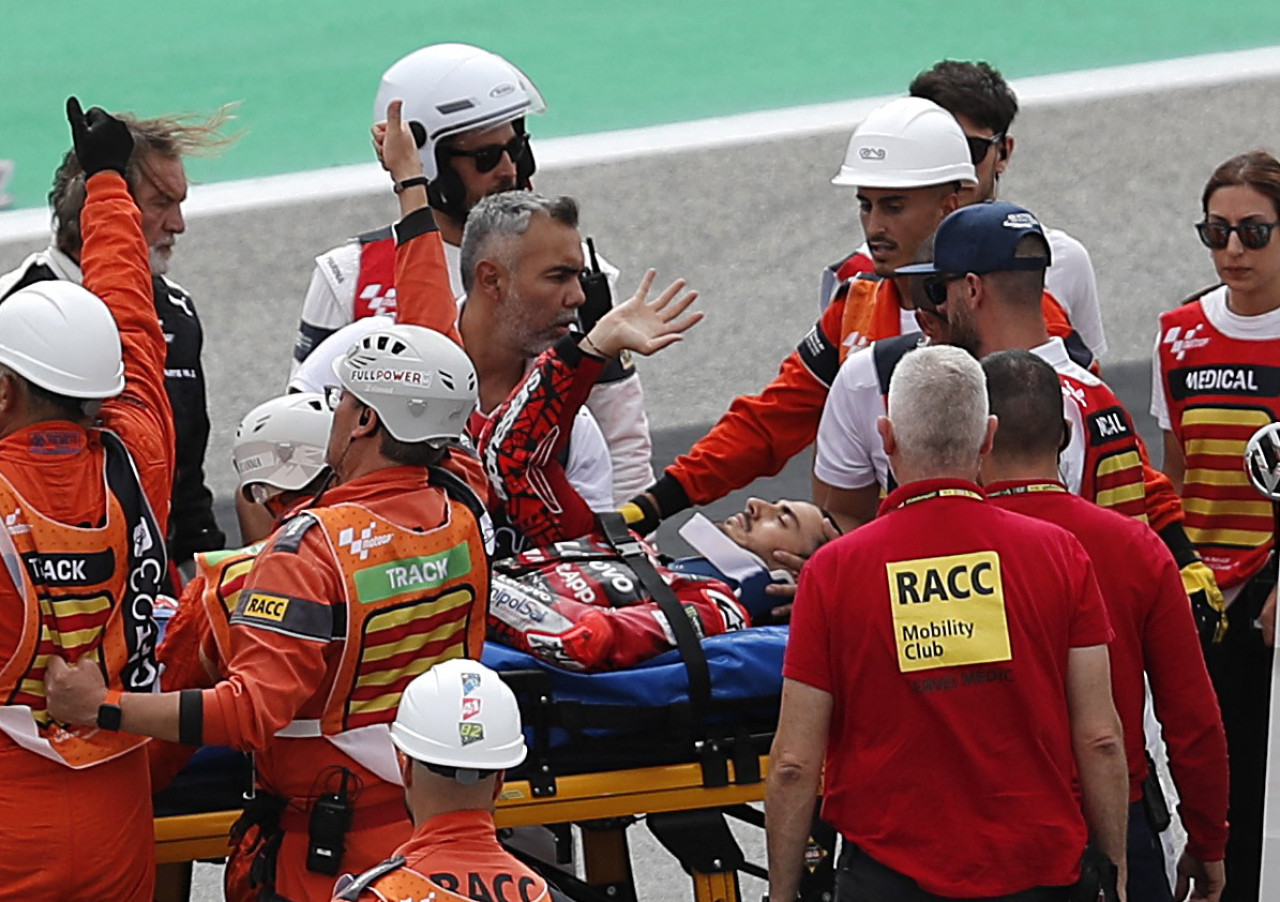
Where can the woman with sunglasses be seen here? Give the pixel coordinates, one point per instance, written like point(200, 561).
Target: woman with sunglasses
point(1215, 382)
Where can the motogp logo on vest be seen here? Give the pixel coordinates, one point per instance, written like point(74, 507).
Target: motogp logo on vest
point(359, 546)
point(1180, 342)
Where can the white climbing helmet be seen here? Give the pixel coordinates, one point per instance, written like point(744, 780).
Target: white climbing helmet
point(907, 143)
point(455, 88)
point(281, 442)
point(62, 338)
point(421, 383)
point(460, 714)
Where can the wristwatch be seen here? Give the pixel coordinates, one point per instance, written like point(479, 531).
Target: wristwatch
point(109, 711)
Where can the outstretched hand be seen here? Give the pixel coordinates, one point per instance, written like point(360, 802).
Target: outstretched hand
point(101, 140)
point(645, 326)
point(396, 145)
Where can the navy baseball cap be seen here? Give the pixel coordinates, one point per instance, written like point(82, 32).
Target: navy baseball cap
point(983, 238)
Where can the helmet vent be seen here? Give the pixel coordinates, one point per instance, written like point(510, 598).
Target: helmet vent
point(454, 106)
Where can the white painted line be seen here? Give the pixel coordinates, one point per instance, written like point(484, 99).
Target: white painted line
point(746, 128)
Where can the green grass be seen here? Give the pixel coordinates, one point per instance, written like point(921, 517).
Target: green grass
point(305, 73)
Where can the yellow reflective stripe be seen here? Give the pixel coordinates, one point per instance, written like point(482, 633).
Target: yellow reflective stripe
point(1117, 462)
point(1122, 494)
point(388, 699)
point(409, 643)
point(77, 607)
point(1236, 538)
point(32, 687)
point(1220, 508)
point(76, 638)
point(1225, 416)
point(1206, 476)
point(1230, 447)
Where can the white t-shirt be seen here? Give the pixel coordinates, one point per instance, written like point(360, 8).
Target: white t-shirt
point(850, 453)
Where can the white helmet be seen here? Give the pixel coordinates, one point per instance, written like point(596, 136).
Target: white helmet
point(1262, 460)
point(281, 442)
point(62, 338)
point(460, 714)
point(455, 88)
point(907, 143)
point(421, 383)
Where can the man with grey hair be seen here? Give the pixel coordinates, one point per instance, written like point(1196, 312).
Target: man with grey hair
point(948, 664)
point(521, 257)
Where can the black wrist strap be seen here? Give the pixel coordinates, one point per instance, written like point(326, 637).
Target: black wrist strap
point(410, 182)
point(191, 717)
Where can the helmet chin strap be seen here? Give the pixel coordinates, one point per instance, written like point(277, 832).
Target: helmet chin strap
point(447, 194)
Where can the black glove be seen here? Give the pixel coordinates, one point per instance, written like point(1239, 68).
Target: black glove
point(101, 140)
point(641, 514)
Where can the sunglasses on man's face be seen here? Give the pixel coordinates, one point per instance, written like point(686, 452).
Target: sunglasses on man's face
point(489, 156)
point(935, 288)
point(979, 147)
point(1216, 234)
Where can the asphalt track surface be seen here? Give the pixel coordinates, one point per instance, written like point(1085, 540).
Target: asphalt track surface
point(751, 227)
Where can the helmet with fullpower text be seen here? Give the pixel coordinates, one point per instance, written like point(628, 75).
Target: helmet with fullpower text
point(421, 383)
point(449, 89)
point(62, 338)
point(907, 143)
point(281, 442)
point(460, 715)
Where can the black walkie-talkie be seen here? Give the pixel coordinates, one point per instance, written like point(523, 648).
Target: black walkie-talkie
point(327, 830)
point(599, 301)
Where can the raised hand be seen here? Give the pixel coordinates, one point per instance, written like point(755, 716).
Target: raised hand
point(645, 326)
point(101, 140)
point(395, 144)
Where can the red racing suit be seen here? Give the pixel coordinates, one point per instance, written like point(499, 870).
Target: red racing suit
point(452, 857)
point(67, 789)
point(760, 433)
point(571, 599)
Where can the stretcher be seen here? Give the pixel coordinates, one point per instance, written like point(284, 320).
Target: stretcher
point(606, 751)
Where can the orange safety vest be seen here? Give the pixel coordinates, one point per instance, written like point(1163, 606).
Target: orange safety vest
point(394, 881)
point(410, 599)
point(86, 591)
point(224, 575)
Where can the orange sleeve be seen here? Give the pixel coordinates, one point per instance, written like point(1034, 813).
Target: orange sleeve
point(116, 269)
point(1164, 508)
point(274, 673)
point(424, 296)
point(758, 434)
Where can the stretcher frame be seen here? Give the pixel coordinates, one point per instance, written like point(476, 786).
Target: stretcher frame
point(604, 802)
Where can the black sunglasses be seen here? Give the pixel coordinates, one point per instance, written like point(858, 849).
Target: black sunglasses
point(979, 147)
point(935, 287)
point(1253, 235)
point(490, 155)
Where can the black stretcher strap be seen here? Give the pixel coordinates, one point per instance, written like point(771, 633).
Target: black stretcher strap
point(632, 553)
